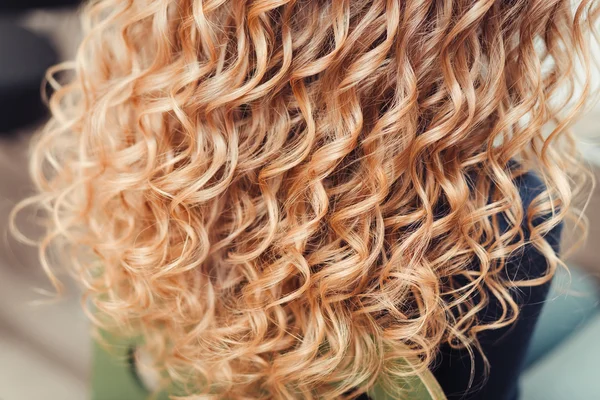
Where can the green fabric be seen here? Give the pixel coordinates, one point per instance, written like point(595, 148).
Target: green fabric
point(112, 375)
point(113, 378)
point(422, 386)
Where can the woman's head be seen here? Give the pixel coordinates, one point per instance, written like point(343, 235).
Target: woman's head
point(286, 197)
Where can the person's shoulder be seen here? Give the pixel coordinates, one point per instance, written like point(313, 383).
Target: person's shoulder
point(530, 186)
point(529, 262)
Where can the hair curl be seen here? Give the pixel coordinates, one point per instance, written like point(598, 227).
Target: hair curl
point(254, 186)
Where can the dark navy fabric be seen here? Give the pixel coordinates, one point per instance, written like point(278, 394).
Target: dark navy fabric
point(504, 348)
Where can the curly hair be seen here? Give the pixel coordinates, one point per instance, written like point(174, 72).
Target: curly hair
point(286, 197)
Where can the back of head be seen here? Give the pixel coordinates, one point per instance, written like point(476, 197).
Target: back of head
point(281, 195)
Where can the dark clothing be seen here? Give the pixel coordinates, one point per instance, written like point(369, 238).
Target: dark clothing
point(504, 348)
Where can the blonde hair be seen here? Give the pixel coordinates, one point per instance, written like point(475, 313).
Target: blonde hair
point(280, 196)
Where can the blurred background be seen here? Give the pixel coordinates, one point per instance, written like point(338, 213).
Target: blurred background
point(45, 349)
